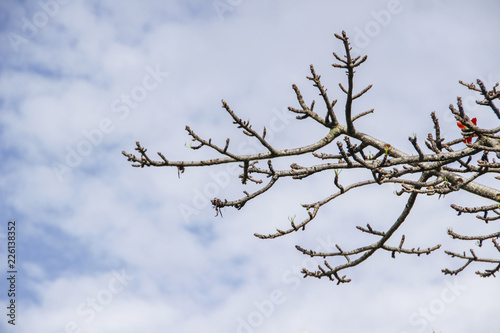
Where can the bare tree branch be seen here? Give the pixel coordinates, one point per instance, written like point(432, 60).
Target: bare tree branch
point(437, 167)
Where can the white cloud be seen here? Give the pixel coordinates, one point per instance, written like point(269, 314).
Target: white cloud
point(208, 273)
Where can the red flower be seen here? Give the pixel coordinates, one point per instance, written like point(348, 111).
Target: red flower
point(462, 126)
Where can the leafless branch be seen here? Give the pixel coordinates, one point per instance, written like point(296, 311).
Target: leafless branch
point(447, 167)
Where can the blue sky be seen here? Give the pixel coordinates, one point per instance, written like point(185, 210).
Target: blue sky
point(104, 247)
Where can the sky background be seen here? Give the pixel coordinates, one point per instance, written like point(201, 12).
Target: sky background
point(104, 247)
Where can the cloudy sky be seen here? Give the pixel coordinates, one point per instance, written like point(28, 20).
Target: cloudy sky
point(104, 247)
